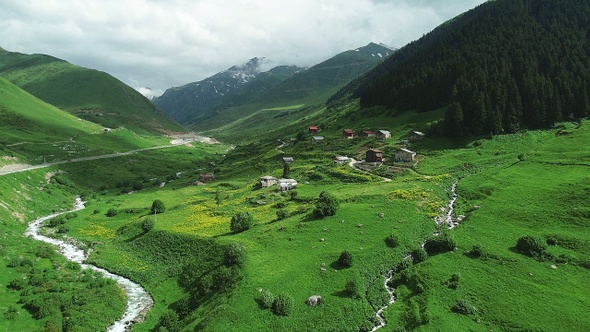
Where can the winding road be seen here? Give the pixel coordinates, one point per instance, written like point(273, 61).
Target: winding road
point(15, 168)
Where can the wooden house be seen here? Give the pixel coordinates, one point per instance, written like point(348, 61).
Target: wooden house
point(348, 133)
point(313, 130)
point(383, 134)
point(374, 155)
point(404, 155)
point(367, 134)
point(267, 181)
point(317, 139)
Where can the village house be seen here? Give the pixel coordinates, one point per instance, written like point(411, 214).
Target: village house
point(341, 160)
point(267, 181)
point(288, 160)
point(416, 135)
point(348, 133)
point(404, 155)
point(286, 184)
point(317, 139)
point(383, 134)
point(313, 130)
point(367, 134)
point(374, 155)
point(208, 177)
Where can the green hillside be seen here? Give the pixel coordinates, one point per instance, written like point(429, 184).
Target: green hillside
point(503, 66)
point(33, 131)
point(479, 231)
point(86, 93)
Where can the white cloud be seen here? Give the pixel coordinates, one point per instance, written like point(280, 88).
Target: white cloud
point(169, 43)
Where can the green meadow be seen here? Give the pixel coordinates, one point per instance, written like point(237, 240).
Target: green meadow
point(510, 186)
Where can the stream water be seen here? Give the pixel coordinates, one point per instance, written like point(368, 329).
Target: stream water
point(138, 300)
point(447, 218)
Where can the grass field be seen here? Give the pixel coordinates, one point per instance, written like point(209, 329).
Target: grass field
point(533, 183)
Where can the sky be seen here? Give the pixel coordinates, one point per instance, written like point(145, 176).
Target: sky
point(152, 45)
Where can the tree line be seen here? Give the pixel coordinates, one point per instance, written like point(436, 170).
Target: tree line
point(504, 66)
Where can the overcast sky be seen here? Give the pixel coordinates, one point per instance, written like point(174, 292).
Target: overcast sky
point(157, 44)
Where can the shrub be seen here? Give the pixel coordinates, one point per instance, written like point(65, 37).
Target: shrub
point(111, 212)
point(11, 313)
point(439, 244)
point(266, 299)
point(235, 254)
point(345, 259)
point(327, 205)
point(57, 220)
point(475, 252)
point(158, 207)
point(531, 246)
point(419, 255)
point(281, 214)
point(463, 307)
point(282, 305)
point(241, 221)
point(169, 321)
point(353, 288)
point(453, 282)
point(391, 241)
point(147, 224)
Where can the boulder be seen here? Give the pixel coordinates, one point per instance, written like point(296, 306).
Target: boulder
point(314, 300)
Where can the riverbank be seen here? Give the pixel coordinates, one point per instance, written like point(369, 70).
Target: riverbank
point(138, 300)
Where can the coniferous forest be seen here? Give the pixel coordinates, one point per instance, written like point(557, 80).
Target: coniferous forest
point(504, 66)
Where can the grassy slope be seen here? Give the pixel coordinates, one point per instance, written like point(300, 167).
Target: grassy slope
point(538, 196)
point(24, 196)
point(33, 129)
point(90, 94)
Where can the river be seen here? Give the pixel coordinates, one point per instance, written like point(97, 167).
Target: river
point(139, 300)
point(444, 219)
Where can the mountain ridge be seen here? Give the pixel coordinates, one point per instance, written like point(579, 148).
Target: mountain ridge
point(87, 93)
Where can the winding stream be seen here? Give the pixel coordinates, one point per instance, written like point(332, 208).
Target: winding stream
point(138, 300)
point(444, 219)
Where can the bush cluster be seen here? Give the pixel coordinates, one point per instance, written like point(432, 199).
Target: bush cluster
point(345, 259)
point(282, 305)
point(532, 246)
point(241, 221)
point(327, 205)
point(440, 244)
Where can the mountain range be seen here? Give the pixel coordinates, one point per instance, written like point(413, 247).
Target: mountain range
point(199, 104)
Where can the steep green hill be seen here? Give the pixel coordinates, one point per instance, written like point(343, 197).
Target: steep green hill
point(505, 64)
point(32, 131)
point(86, 93)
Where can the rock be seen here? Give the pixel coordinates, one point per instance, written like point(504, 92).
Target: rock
point(322, 240)
point(381, 215)
point(359, 225)
point(323, 269)
point(553, 266)
point(314, 300)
